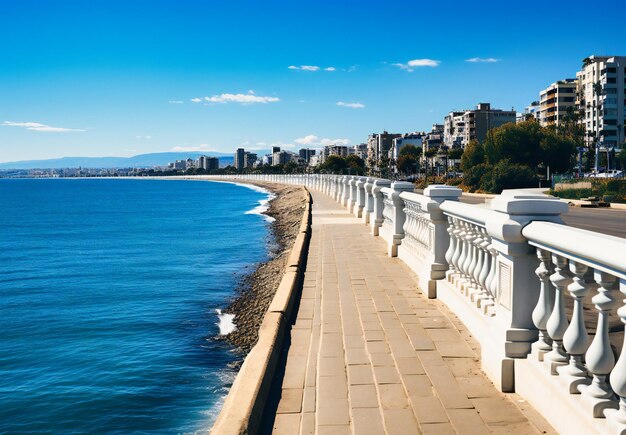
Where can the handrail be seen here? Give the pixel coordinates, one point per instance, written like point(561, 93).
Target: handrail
point(474, 213)
point(604, 252)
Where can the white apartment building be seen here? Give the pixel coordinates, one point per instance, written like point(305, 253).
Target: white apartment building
point(532, 110)
point(555, 100)
point(601, 97)
point(462, 127)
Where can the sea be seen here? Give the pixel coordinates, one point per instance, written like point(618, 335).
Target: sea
point(111, 299)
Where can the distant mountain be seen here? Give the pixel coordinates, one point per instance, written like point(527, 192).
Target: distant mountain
point(138, 161)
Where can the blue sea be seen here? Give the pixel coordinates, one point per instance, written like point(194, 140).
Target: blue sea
point(108, 297)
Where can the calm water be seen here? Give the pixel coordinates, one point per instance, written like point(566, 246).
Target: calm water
point(108, 292)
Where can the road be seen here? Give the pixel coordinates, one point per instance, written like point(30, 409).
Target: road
point(601, 220)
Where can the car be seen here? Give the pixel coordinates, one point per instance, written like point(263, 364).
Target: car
point(612, 173)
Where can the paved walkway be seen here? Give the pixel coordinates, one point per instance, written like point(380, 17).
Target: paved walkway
point(369, 354)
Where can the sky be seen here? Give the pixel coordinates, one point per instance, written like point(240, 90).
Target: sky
point(120, 78)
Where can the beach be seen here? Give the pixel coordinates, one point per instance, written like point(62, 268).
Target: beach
point(257, 289)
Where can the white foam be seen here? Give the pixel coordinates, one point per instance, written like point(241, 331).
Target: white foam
point(226, 323)
point(263, 207)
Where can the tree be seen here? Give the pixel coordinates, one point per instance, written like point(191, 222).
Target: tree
point(507, 175)
point(557, 151)
point(519, 143)
point(474, 154)
point(455, 153)
point(407, 164)
point(334, 164)
point(410, 151)
point(621, 157)
point(355, 164)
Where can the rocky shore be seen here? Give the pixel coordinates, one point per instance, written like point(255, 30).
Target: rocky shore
point(257, 289)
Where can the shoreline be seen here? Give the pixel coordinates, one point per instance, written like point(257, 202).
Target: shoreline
point(256, 289)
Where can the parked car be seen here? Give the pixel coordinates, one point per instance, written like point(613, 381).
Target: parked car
point(612, 173)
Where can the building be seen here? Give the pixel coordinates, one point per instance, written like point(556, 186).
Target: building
point(335, 150)
point(179, 165)
point(275, 156)
point(531, 111)
point(601, 99)
point(249, 159)
point(398, 143)
point(378, 146)
point(305, 154)
point(454, 129)
point(240, 159)
point(208, 163)
point(555, 101)
point(433, 139)
point(212, 163)
point(460, 128)
point(282, 157)
point(360, 150)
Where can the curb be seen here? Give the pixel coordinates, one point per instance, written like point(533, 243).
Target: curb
point(242, 412)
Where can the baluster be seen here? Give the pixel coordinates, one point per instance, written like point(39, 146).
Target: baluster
point(618, 376)
point(575, 339)
point(557, 323)
point(451, 246)
point(545, 304)
point(469, 250)
point(484, 272)
point(599, 357)
point(476, 263)
point(458, 255)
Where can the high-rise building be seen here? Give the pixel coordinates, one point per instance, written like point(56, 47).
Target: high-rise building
point(555, 101)
point(462, 127)
point(378, 146)
point(433, 139)
point(239, 162)
point(601, 99)
point(533, 110)
point(305, 154)
point(249, 159)
point(212, 163)
point(398, 143)
point(275, 156)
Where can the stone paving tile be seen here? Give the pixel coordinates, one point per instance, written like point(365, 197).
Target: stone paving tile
point(370, 354)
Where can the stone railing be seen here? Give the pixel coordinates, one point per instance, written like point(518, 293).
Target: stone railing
point(541, 298)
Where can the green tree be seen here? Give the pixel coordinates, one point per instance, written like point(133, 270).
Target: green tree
point(474, 154)
point(334, 164)
point(455, 153)
point(519, 143)
point(407, 164)
point(410, 151)
point(507, 175)
point(557, 151)
point(355, 164)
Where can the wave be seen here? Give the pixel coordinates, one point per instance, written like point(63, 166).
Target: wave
point(225, 323)
point(263, 207)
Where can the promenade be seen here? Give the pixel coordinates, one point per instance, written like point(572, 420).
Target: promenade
point(370, 354)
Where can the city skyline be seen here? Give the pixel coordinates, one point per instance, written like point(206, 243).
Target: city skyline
point(120, 80)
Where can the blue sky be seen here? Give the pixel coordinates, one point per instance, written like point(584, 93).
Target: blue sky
point(117, 78)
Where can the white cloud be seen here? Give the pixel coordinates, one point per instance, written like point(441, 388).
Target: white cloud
point(144, 137)
point(202, 147)
point(311, 68)
point(196, 100)
point(351, 105)
point(175, 102)
point(313, 140)
point(417, 63)
point(249, 98)
point(36, 126)
point(482, 60)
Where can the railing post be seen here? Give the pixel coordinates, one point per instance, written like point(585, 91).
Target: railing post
point(516, 262)
point(359, 204)
point(376, 220)
point(353, 193)
point(398, 217)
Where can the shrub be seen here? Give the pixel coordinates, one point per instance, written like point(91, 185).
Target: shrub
point(473, 175)
point(507, 175)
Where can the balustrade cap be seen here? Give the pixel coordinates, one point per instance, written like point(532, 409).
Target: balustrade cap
point(403, 186)
point(599, 251)
point(524, 202)
point(381, 182)
point(442, 191)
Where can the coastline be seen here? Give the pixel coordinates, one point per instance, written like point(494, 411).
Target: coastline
point(256, 290)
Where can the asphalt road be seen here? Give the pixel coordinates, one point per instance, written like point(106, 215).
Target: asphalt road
point(600, 220)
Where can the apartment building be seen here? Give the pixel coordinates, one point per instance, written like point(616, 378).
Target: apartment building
point(462, 127)
point(360, 150)
point(601, 98)
point(533, 110)
point(415, 139)
point(433, 139)
point(378, 145)
point(555, 101)
point(240, 161)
